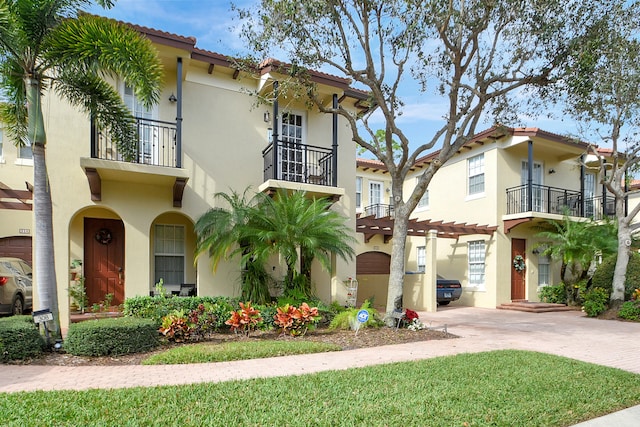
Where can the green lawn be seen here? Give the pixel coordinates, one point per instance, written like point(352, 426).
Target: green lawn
point(501, 388)
point(236, 350)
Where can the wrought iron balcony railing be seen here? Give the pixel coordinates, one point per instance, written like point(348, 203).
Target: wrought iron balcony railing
point(155, 144)
point(379, 210)
point(299, 163)
point(545, 199)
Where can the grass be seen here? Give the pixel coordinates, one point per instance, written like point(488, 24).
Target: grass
point(500, 388)
point(237, 350)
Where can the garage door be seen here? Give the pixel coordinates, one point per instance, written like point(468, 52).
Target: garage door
point(373, 263)
point(17, 247)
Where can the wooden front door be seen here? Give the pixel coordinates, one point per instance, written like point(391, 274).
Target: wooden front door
point(104, 259)
point(518, 247)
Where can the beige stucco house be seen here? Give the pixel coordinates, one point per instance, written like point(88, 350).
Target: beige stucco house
point(131, 223)
point(491, 197)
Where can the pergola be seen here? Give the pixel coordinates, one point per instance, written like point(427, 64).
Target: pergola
point(371, 226)
point(16, 199)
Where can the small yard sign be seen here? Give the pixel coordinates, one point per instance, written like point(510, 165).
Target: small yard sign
point(363, 316)
point(42, 316)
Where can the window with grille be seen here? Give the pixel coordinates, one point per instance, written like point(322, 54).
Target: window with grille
point(423, 203)
point(359, 192)
point(544, 264)
point(169, 254)
point(476, 263)
point(476, 174)
point(422, 258)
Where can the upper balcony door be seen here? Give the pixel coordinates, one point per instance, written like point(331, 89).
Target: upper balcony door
point(292, 159)
point(375, 198)
point(589, 194)
point(148, 150)
point(536, 191)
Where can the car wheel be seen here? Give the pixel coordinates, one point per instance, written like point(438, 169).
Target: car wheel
point(444, 302)
point(18, 305)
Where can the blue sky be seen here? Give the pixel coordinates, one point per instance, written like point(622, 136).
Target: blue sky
point(213, 24)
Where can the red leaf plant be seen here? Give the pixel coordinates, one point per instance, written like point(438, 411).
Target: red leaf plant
point(245, 320)
point(296, 321)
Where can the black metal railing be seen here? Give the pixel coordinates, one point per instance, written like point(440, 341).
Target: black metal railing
point(545, 199)
point(155, 144)
point(379, 210)
point(299, 163)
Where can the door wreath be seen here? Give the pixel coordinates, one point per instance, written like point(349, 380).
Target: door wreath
point(104, 236)
point(518, 263)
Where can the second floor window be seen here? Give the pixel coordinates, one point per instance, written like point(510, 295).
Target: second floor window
point(475, 171)
point(24, 151)
point(422, 258)
point(424, 200)
point(359, 192)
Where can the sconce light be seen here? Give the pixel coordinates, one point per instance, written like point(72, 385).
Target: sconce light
point(266, 117)
point(552, 171)
point(172, 98)
point(387, 189)
point(536, 251)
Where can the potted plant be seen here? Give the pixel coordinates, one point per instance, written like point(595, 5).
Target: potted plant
point(78, 294)
point(75, 269)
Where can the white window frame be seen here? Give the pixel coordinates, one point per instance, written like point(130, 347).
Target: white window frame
point(423, 203)
point(544, 271)
point(174, 253)
point(359, 193)
point(421, 258)
point(538, 180)
point(476, 170)
point(476, 255)
point(24, 161)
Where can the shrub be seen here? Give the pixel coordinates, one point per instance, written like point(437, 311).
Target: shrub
point(178, 326)
point(595, 302)
point(245, 320)
point(296, 321)
point(103, 337)
point(603, 276)
point(553, 294)
point(157, 307)
point(347, 319)
point(630, 310)
point(19, 338)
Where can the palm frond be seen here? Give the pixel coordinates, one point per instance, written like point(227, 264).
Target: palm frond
point(92, 43)
point(13, 112)
point(102, 101)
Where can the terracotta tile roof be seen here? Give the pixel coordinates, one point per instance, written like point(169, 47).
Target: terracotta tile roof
point(375, 165)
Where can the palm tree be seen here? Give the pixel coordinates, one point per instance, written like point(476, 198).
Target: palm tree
point(576, 244)
point(47, 45)
point(300, 228)
point(222, 234)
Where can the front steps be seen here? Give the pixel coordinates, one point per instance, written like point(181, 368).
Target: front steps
point(534, 307)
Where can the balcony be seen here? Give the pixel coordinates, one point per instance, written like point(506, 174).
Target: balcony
point(156, 144)
point(289, 164)
point(553, 200)
point(379, 211)
point(153, 159)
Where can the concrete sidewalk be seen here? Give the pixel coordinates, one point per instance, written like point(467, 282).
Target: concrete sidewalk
point(569, 334)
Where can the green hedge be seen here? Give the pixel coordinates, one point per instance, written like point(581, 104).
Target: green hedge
point(103, 337)
point(19, 338)
point(630, 310)
point(603, 276)
point(156, 307)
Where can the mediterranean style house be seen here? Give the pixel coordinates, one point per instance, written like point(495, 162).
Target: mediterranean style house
point(485, 205)
point(131, 223)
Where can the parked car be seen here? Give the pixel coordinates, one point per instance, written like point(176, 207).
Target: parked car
point(16, 294)
point(447, 290)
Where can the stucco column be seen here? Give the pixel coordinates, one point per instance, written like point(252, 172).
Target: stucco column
point(429, 279)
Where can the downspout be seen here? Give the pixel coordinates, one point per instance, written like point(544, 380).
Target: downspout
point(334, 158)
point(274, 139)
point(530, 176)
point(626, 195)
point(582, 176)
point(179, 115)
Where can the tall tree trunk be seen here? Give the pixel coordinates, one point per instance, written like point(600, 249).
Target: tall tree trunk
point(44, 265)
point(396, 276)
point(620, 271)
